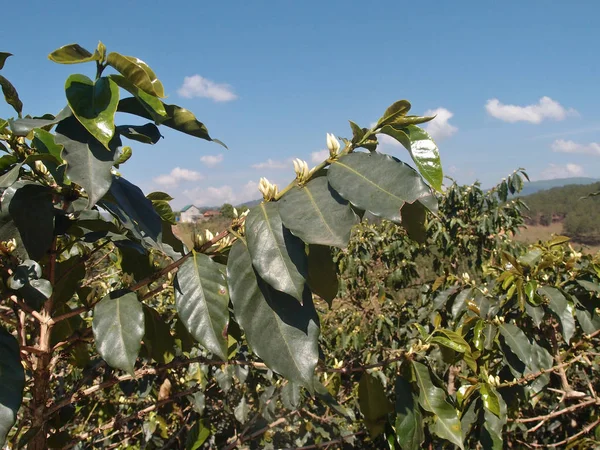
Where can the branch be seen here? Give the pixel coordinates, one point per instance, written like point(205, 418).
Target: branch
point(29, 310)
point(533, 376)
point(567, 410)
point(81, 393)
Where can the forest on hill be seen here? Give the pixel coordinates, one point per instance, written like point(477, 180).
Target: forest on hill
point(570, 205)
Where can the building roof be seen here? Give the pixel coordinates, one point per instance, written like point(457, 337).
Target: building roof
point(186, 207)
point(212, 213)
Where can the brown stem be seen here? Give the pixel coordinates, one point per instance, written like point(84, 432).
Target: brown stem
point(328, 443)
point(41, 363)
point(561, 412)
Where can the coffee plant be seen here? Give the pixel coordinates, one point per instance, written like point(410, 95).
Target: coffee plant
point(438, 330)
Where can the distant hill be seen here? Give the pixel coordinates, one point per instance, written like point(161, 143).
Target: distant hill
point(542, 185)
point(565, 204)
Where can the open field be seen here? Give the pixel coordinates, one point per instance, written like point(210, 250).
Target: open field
point(534, 233)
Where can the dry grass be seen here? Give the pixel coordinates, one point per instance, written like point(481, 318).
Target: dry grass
point(534, 233)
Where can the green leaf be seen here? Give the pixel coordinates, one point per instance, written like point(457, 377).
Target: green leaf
point(148, 105)
point(562, 308)
point(88, 163)
point(12, 378)
point(11, 95)
point(130, 206)
point(494, 417)
point(279, 330)
point(8, 178)
point(241, 411)
point(22, 127)
point(377, 183)
point(159, 196)
point(137, 72)
point(27, 215)
point(3, 57)
point(589, 322)
point(433, 399)
point(147, 134)
point(73, 54)
point(157, 337)
point(322, 274)
point(201, 300)
point(426, 156)
point(534, 357)
point(317, 214)
point(94, 104)
point(290, 396)
point(409, 420)
point(26, 278)
point(277, 255)
point(163, 209)
point(180, 119)
point(414, 216)
point(460, 302)
point(394, 111)
point(374, 404)
point(44, 143)
point(197, 436)
point(118, 327)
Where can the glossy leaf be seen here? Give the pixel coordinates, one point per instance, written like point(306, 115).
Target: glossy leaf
point(12, 379)
point(531, 354)
point(137, 72)
point(130, 206)
point(317, 214)
point(277, 255)
point(147, 134)
point(44, 143)
point(563, 310)
point(118, 327)
point(409, 420)
point(290, 396)
point(157, 337)
point(201, 299)
point(433, 399)
point(322, 274)
point(73, 54)
point(589, 322)
point(88, 163)
point(11, 95)
point(27, 215)
point(150, 106)
point(426, 156)
point(180, 119)
point(94, 104)
point(24, 126)
point(281, 331)
point(393, 112)
point(377, 183)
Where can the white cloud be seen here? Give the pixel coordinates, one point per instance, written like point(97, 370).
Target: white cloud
point(439, 128)
point(217, 195)
point(559, 171)
point(320, 156)
point(546, 108)
point(272, 164)
point(562, 146)
point(211, 160)
point(197, 86)
point(177, 175)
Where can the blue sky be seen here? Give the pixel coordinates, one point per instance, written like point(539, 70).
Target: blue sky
point(515, 84)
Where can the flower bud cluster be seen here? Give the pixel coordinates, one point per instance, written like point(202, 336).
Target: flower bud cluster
point(333, 145)
point(268, 190)
point(301, 169)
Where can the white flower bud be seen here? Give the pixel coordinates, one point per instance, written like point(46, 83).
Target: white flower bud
point(333, 145)
point(268, 190)
point(235, 213)
point(301, 169)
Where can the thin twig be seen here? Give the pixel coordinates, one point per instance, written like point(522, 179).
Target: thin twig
point(557, 413)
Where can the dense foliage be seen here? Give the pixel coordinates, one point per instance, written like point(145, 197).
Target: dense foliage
point(358, 306)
